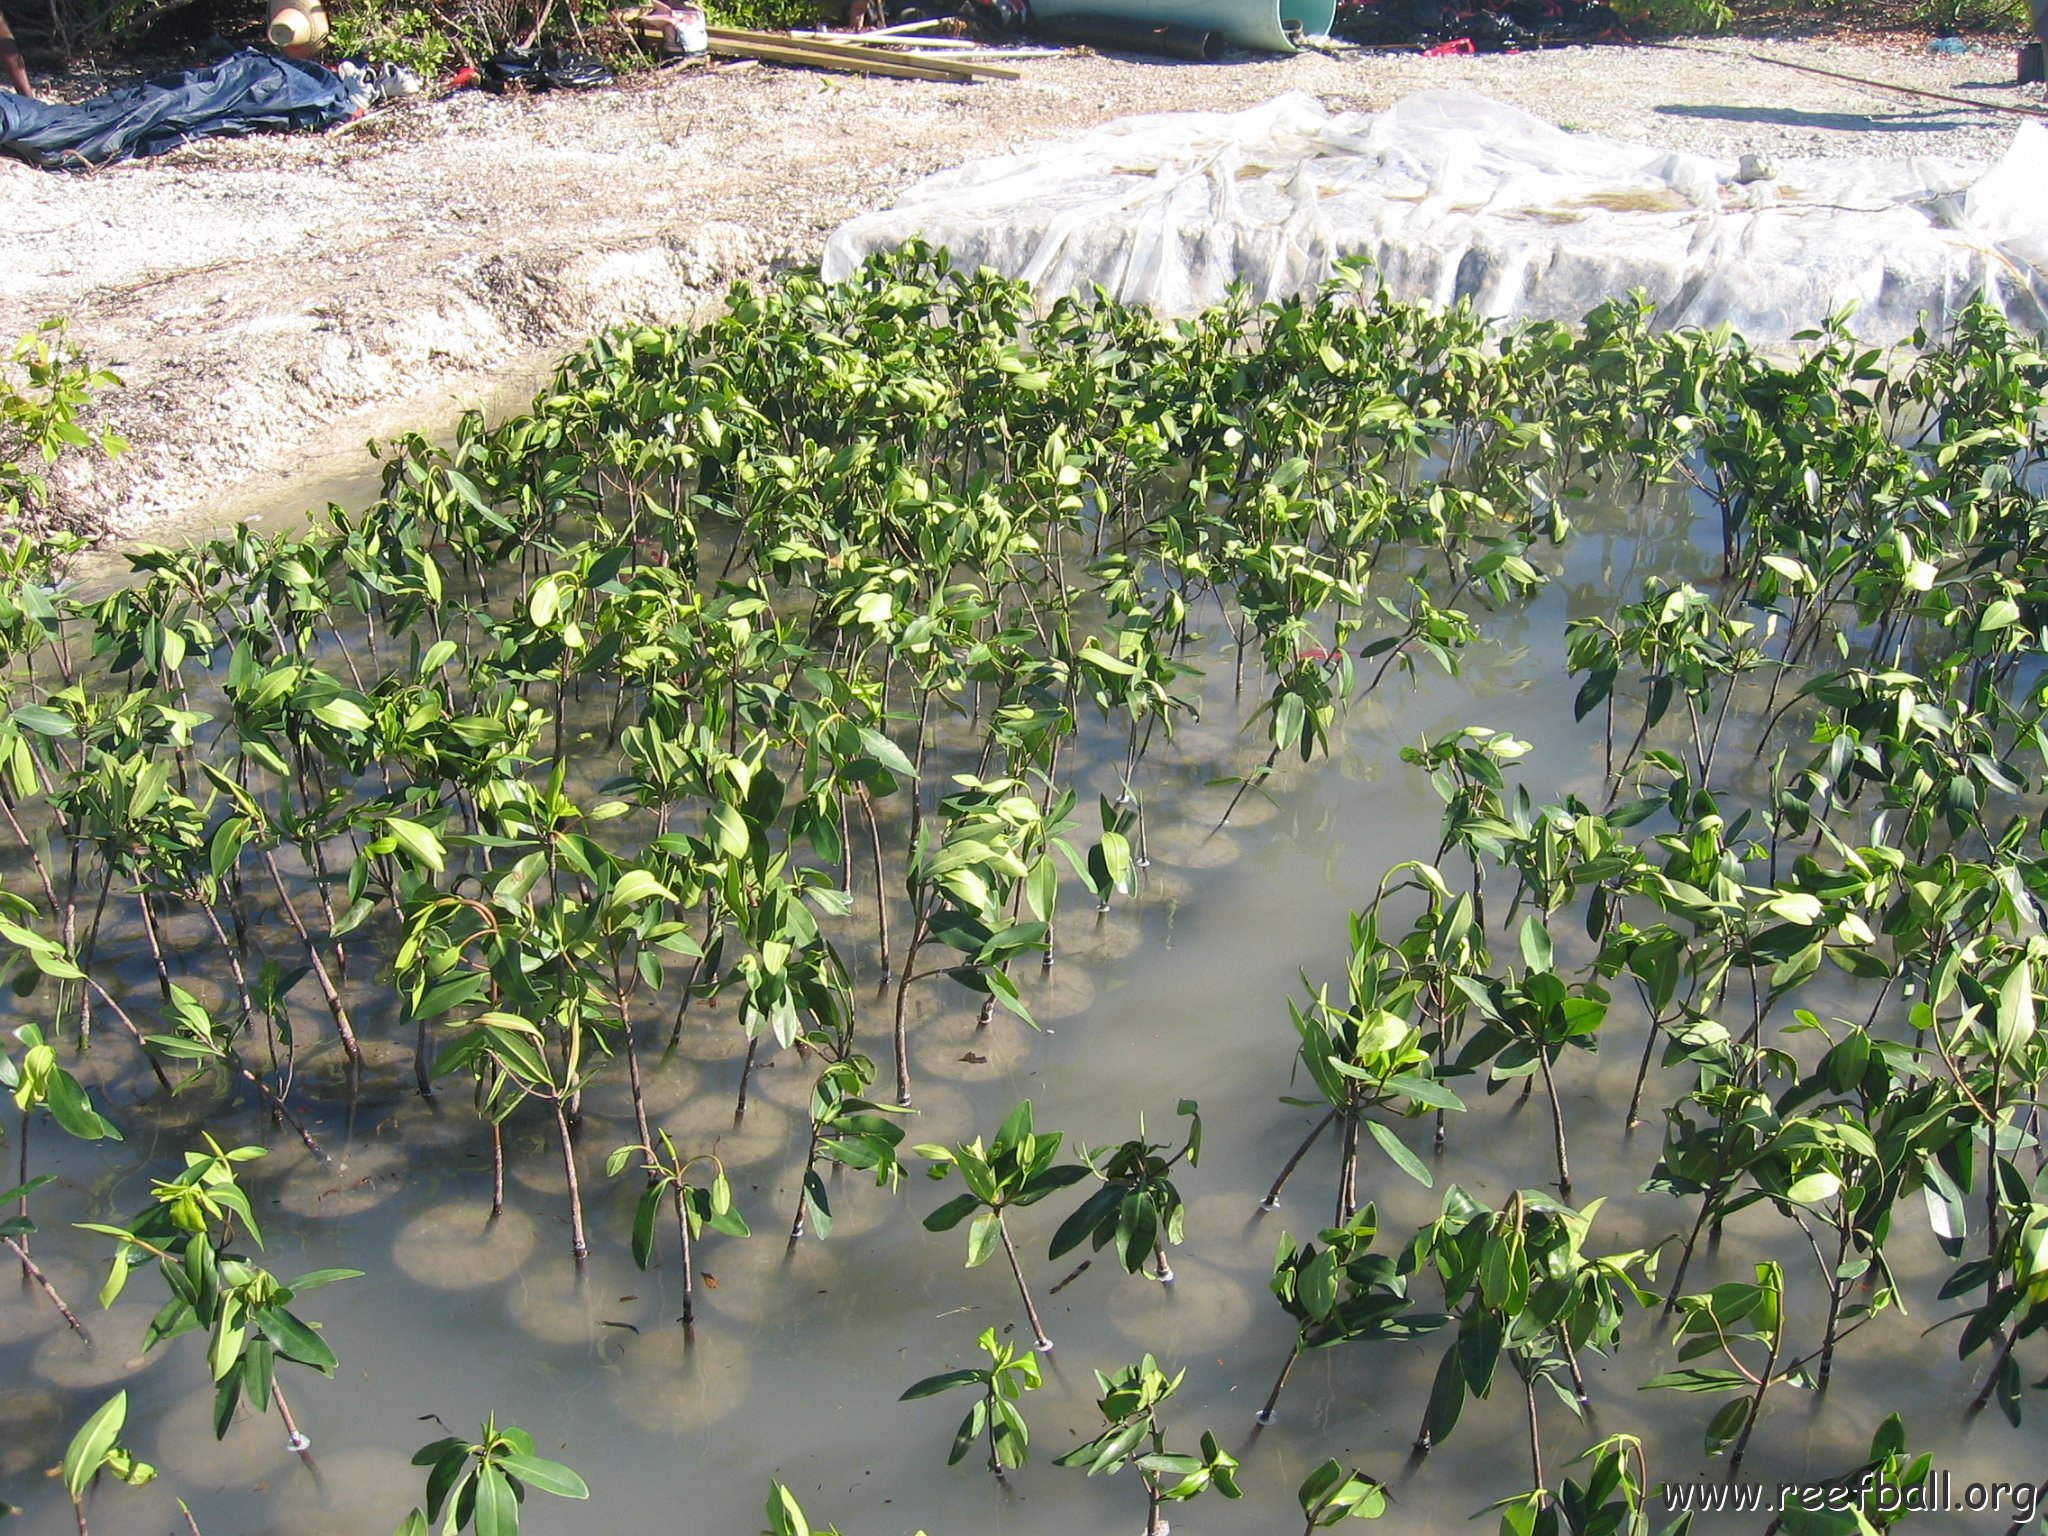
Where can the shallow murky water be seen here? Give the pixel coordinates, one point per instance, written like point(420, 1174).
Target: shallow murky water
point(797, 1362)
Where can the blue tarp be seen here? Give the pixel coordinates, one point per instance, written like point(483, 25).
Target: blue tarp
point(246, 92)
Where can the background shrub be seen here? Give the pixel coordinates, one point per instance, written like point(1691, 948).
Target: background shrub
point(44, 389)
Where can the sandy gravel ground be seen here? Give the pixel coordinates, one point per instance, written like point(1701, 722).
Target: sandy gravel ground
point(271, 303)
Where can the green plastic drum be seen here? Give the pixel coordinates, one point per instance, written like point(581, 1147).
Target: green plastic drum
point(1263, 26)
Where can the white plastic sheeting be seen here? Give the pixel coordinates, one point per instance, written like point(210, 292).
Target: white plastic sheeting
point(1454, 195)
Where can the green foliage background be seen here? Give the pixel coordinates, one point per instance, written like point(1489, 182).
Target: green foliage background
point(45, 388)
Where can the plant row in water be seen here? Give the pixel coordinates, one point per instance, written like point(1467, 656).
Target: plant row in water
point(850, 591)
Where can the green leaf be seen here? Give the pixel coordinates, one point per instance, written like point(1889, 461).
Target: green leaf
point(2002, 614)
point(2015, 1010)
point(636, 886)
point(1404, 1159)
point(547, 1476)
point(1814, 1189)
point(645, 1211)
point(1041, 889)
point(981, 1238)
point(1446, 1397)
point(1095, 656)
point(70, 1108)
point(946, 1381)
point(728, 830)
point(887, 753)
point(40, 719)
point(1424, 1090)
point(452, 992)
point(1726, 1425)
point(294, 1339)
point(1946, 1213)
point(420, 844)
point(341, 713)
point(497, 1507)
point(312, 1280)
point(23, 1191)
point(89, 1447)
point(785, 1517)
point(952, 1213)
point(1698, 1380)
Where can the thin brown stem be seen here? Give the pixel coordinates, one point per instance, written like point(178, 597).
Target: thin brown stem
point(30, 1268)
point(1038, 1337)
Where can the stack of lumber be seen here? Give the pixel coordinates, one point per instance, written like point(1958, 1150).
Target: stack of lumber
point(869, 53)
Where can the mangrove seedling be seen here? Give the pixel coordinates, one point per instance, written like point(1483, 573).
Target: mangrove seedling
point(696, 1206)
point(1527, 1024)
point(1138, 1208)
point(1738, 1313)
point(1330, 1495)
point(1521, 1287)
point(1017, 1169)
point(995, 1417)
point(96, 1448)
point(848, 1129)
point(1132, 1436)
point(1361, 1055)
point(481, 1483)
point(960, 885)
point(1613, 1500)
point(1340, 1293)
point(188, 1231)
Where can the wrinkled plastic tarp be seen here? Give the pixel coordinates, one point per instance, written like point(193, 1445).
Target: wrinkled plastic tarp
point(1456, 196)
point(246, 92)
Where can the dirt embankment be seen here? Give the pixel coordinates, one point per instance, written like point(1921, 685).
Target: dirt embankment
point(272, 303)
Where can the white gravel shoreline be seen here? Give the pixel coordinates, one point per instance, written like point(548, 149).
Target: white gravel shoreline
point(273, 302)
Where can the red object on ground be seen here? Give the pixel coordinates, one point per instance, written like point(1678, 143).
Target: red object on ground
point(1455, 46)
point(461, 79)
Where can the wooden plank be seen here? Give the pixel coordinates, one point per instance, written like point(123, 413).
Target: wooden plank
point(864, 61)
point(877, 40)
point(948, 67)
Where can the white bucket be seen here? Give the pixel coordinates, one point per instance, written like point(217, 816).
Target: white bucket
point(689, 34)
